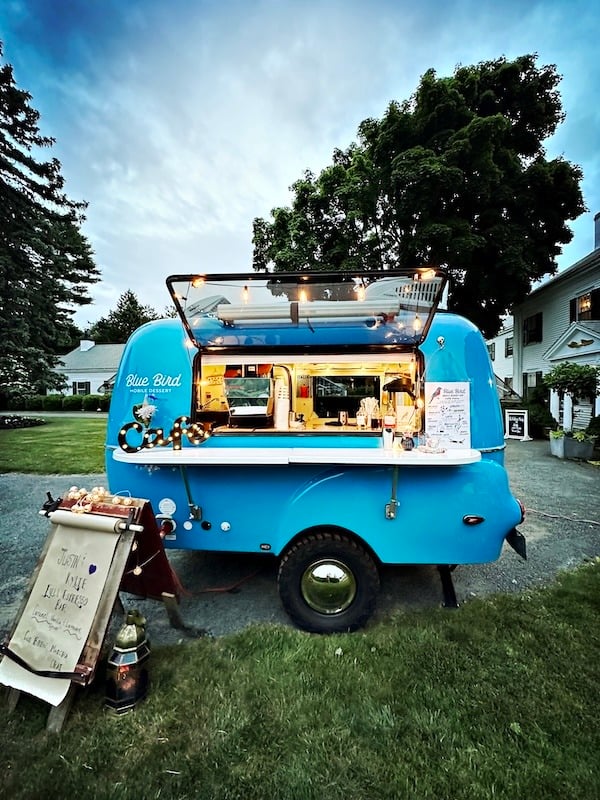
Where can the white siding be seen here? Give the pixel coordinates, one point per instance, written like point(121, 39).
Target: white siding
point(502, 365)
point(552, 300)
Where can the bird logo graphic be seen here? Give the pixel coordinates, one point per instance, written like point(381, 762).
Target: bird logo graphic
point(437, 393)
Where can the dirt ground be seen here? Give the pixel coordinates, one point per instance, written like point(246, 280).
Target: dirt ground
point(562, 528)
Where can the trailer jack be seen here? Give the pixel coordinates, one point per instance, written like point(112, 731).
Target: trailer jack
point(446, 571)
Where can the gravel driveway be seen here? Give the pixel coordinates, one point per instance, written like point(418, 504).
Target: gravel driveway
point(562, 528)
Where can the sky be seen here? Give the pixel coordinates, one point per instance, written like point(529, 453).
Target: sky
point(180, 121)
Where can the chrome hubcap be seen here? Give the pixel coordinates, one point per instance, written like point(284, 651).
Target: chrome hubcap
point(328, 586)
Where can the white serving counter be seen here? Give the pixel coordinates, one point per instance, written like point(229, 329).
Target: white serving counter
point(261, 456)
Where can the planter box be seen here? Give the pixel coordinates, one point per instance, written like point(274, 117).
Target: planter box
point(567, 447)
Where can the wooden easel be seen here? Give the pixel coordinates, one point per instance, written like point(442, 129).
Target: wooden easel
point(139, 566)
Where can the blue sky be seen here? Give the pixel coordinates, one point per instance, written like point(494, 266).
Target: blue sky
point(181, 121)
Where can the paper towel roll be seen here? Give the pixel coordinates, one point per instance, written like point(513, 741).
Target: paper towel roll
point(89, 522)
point(282, 410)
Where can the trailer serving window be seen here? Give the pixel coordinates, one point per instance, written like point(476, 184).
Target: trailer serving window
point(321, 342)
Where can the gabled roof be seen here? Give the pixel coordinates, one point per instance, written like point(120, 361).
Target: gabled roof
point(589, 263)
point(581, 339)
point(99, 358)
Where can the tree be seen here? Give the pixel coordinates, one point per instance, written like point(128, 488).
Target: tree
point(576, 380)
point(46, 264)
point(457, 176)
point(118, 326)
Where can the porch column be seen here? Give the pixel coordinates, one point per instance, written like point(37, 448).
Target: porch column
point(555, 405)
point(567, 412)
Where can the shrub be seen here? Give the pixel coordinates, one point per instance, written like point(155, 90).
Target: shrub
point(34, 403)
point(53, 402)
point(94, 402)
point(15, 401)
point(72, 402)
point(593, 429)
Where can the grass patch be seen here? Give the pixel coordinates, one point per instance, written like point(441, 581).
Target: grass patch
point(61, 446)
point(496, 700)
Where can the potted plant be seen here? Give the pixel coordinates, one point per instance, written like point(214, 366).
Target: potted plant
point(572, 444)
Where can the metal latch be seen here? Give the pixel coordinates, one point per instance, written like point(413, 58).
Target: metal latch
point(390, 508)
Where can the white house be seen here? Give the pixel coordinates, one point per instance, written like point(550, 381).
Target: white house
point(500, 349)
point(91, 367)
point(558, 321)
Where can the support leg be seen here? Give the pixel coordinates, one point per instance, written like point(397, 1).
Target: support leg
point(450, 600)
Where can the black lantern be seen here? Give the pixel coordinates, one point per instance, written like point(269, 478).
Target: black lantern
point(126, 673)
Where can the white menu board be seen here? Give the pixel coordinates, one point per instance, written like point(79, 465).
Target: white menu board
point(448, 414)
point(58, 615)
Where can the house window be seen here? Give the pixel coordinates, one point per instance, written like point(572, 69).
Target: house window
point(492, 350)
point(586, 306)
point(531, 382)
point(81, 387)
point(508, 346)
point(532, 329)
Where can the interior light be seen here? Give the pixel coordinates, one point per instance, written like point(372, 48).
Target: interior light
point(245, 295)
point(417, 324)
point(197, 282)
point(302, 296)
point(360, 295)
point(428, 275)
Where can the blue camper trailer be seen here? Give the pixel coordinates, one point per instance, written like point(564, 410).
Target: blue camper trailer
point(337, 422)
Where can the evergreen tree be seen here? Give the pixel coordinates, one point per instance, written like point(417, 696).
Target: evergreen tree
point(46, 264)
point(118, 326)
point(456, 177)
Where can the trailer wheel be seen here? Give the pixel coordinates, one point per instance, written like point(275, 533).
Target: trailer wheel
point(328, 583)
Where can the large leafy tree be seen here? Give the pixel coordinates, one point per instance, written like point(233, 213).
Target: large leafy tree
point(46, 264)
point(457, 176)
point(119, 324)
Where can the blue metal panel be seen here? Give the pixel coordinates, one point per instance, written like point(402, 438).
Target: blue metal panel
point(270, 506)
point(156, 366)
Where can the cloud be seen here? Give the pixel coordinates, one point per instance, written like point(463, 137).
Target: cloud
point(181, 122)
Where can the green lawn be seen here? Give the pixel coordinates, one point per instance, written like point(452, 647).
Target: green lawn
point(64, 445)
point(497, 700)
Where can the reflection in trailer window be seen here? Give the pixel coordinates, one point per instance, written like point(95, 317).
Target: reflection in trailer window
point(333, 394)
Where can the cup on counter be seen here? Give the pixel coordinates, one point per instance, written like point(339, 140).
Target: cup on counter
point(361, 421)
point(343, 417)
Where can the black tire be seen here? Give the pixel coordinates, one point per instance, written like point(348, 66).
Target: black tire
point(328, 583)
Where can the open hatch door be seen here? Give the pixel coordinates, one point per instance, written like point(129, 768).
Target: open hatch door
point(393, 307)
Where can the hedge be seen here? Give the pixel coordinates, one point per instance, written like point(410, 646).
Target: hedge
point(53, 402)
